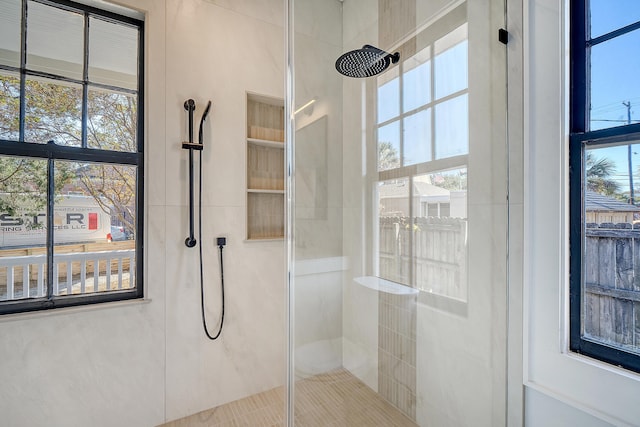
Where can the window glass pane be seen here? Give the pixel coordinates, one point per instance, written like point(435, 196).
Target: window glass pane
point(452, 127)
point(112, 121)
point(389, 146)
point(451, 63)
point(614, 80)
point(53, 112)
point(10, 17)
point(416, 84)
point(389, 96)
point(417, 138)
point(440, 233)
point(445, 210)
point(113, 54)
point(9, 106)
point(23, 206)
point(394, 230)
point(95, 217)
point(607, 15)
point(446, 190)
point(55, 40)
point(610, 294)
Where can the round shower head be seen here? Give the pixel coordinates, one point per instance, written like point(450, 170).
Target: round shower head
point(366, 62)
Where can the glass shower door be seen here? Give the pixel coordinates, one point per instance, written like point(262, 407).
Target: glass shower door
point(398, 215)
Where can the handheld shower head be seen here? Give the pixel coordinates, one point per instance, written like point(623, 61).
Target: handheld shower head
point(206, 111)
point(204, 117)
point(366, 62)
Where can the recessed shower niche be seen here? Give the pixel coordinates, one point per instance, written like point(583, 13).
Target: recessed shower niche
point(265, 167)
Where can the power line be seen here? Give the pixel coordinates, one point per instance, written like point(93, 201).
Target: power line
point(613, 105)
point(613, 120)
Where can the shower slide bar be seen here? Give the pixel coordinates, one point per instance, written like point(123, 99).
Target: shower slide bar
point(190, 106)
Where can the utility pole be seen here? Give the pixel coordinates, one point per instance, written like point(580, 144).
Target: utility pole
point(631, 198)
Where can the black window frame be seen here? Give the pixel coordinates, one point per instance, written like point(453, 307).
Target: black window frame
point(580, 138)
point(51, 152)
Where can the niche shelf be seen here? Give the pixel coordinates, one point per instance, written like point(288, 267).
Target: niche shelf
point(265, 168)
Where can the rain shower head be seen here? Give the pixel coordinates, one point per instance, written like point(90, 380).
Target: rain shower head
point(366, 62)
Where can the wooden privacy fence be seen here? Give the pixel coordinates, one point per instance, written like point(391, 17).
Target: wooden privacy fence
point(612, 285)
point(437, 252)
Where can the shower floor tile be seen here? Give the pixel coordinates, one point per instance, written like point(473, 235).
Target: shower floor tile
point(333, 399)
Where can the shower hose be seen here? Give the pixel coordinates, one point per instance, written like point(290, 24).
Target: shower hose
point(220, 247)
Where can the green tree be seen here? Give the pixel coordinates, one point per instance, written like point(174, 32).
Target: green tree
point(54, 113)
point(112, 125)
point(599, 172)
point(454, 180)
point(388, 157)
point(23, 181)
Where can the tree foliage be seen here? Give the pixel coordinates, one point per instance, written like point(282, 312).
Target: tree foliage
point(53, 112)
point(450, 180)
point(388, 157)
point(599, 172)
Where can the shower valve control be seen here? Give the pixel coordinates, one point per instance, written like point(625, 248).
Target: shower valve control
point(191, 145)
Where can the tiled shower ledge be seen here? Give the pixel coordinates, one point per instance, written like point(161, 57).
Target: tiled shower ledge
point(386, 286)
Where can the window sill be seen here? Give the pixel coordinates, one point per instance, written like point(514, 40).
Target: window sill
point(585, 359)
point(73, 310)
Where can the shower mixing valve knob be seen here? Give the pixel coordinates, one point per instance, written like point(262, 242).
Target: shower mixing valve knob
point(191, 145)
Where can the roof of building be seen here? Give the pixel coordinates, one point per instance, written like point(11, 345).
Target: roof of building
point(599, 202)
point(399, 190)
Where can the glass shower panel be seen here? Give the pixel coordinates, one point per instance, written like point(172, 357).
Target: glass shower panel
point(398, 224)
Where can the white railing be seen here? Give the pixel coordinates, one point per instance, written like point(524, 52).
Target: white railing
point(35, 264)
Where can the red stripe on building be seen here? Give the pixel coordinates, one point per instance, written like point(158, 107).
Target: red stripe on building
point(93, 221)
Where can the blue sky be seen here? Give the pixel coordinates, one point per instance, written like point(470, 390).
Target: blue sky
point(615, 78)
point(615, 64)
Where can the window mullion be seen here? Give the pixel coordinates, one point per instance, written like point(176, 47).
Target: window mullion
point(401, 110)
point(85, 82)
point(411, 235)
point(50, 223)
point(580, 98)
point(432, 101)
point(23, 65)
point(613, 34)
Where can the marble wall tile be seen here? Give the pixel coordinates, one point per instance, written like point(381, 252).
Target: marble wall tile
point(155, 106)
point(249, 356)
point(360, 331)
point(213, 55)
point(117, 353)
point(359, 16)
point(264, 10)
point(451, 382)
point(318, 307)
point(320, 20)
point(73, 366)
point(318, 139)
point(426, 10)
point(219, 51)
